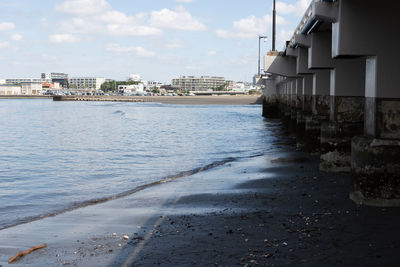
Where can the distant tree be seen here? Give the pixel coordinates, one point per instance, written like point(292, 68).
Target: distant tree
point(222, 87)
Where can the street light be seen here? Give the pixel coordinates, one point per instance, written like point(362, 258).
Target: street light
point(259, 51)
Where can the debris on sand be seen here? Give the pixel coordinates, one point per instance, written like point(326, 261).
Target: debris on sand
point(23, 253)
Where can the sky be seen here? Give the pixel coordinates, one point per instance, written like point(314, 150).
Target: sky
point(158, 39)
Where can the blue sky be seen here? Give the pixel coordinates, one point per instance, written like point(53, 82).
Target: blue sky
point(158, 39)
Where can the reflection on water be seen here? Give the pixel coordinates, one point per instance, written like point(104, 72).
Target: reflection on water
point(57, 154)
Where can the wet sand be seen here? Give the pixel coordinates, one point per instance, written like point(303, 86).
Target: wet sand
point(277, 209)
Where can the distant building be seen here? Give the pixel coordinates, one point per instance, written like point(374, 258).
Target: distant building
point(134, 77)
point(150, 85)
point(89, 83)
point(23, 80)
point(10, 89)
point(131, 89)
point(61, 78)
point(31, 88)
point(2, 81)
point(21, 87)
point(203, 83)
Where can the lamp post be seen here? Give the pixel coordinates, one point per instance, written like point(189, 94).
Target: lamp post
point(259, 51)
point(273, 26)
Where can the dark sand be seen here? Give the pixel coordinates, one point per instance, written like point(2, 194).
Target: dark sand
point(275, 210)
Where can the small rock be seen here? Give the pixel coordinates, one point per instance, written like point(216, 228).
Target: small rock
point(126, 237)
point(119, 245)
point(114, 234)
point(284, 244)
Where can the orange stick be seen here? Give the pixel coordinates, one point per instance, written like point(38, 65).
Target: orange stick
point(23, 253)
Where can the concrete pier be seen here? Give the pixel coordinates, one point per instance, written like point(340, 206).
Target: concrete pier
point(355, 101)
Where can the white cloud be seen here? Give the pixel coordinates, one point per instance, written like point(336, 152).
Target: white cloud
point(212, 53)
point(6, 26)
point(63, 38)
point(136, 50)
point(249, 27)
point(102, 20)
point(4, 45)
point(174, 44)
point(298, 8)
point(178, 19)
point(284, 35)
point(16, 37)
point(132, 30)
point(82, 7)
point(184, 1)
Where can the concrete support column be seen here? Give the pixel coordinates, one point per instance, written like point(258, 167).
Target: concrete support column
point(320, 110)
point(271, 99)
point(304, 110)
point(346, 115)
point(293, 107)
point(375, 162)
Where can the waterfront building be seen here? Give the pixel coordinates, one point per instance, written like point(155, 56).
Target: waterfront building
point(10, 89)
point(31, 88)
point(131, 89)
point(2, 81)
point(61, 78)
point(23, 80)
point(203, 83)
point(87, 82)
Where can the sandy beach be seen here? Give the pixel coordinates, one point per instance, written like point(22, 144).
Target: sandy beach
point(275, 209)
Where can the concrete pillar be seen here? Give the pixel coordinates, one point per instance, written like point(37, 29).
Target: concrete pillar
point(270, 101)
point(304, 110)
point(319, 110)
point(346, 102)
point(375, 162)
point(376, 155)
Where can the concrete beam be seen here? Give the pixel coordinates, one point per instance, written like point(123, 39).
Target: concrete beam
point(302, 40)
point(281, 65)
point(325, 11)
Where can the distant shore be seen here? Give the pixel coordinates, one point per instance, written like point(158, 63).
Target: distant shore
point(177, 100)
point(26, 96)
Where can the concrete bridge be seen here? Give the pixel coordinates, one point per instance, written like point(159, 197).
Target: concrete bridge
point(336, 87)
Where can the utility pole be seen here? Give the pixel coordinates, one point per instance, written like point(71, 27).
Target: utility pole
point(273, 26)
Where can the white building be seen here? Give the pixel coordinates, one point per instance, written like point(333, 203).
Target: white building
point(89, 83)
point(31, 88)
point(2, 81)
point(203, 83)
point(8, 89)
point(134, 77)
point(23, 80)
point(131, 89)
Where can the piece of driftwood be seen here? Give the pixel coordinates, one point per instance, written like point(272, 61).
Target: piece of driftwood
point(23, 253)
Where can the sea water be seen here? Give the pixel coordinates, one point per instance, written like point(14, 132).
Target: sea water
point(55, 156)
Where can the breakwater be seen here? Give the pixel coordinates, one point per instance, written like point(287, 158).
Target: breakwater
point(101, 98)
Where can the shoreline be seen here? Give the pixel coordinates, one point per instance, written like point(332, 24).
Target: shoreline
point(276, 209)
point(173, 100)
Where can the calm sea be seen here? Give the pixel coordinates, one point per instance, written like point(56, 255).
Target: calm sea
point(58, 155)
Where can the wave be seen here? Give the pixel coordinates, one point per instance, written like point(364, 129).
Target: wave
point(95, 201)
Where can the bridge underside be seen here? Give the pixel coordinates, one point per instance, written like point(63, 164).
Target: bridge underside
point(336, 87)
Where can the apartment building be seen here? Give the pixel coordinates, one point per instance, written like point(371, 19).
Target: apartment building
point(61, 78)
point(90, 83)
point(203, 83)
